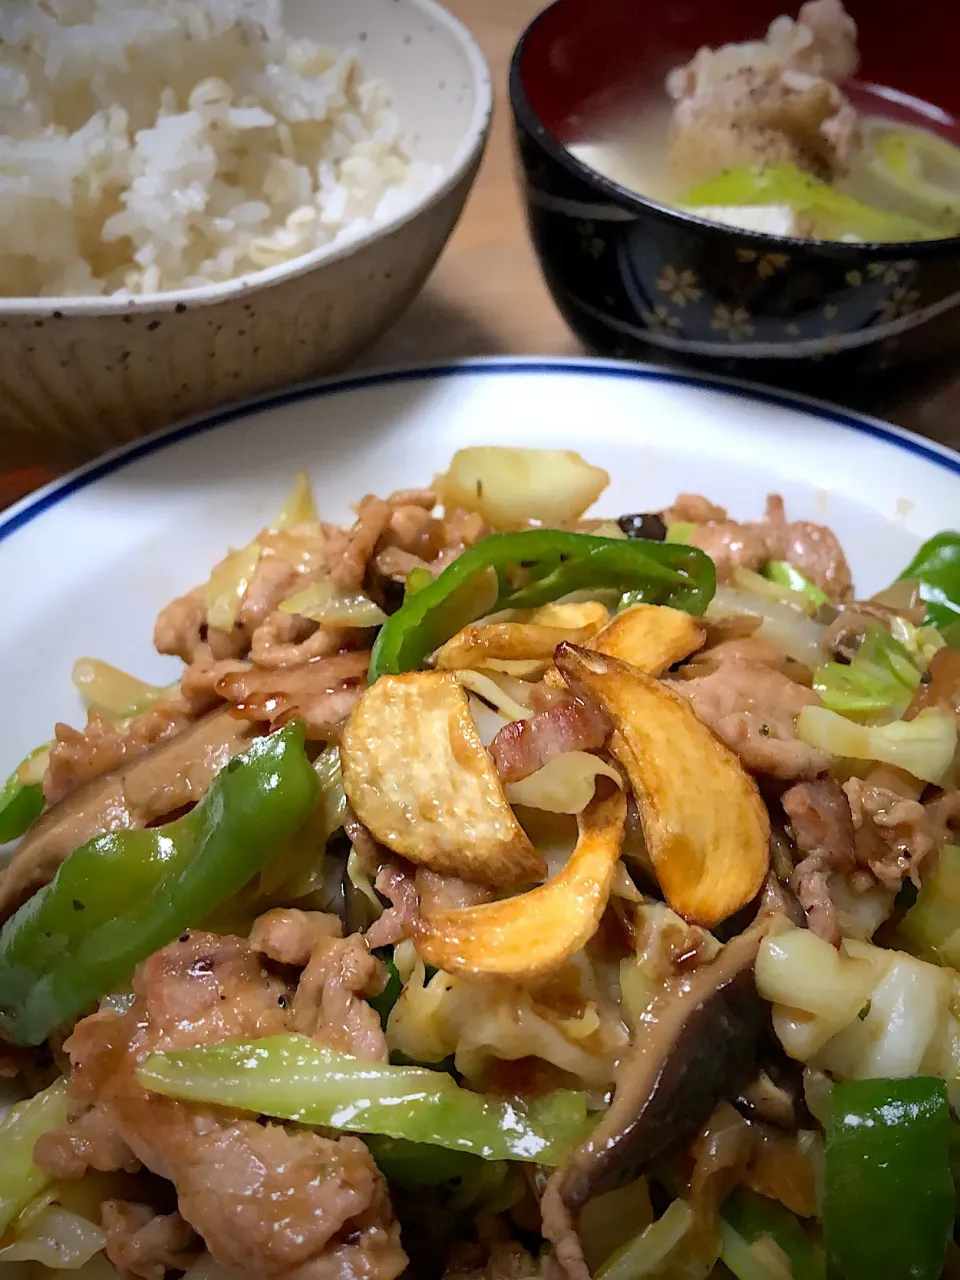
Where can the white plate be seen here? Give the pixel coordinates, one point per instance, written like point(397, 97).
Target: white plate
point(87, 563)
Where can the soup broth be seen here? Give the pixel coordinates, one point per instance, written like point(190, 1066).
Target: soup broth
point(771, 137)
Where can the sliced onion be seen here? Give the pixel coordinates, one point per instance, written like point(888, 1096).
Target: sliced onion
point(228, 585)
point(565, 784)
point(324, 602)
point(797, 635)
point(58, 1239)
point(299, 507)
point(114, 693)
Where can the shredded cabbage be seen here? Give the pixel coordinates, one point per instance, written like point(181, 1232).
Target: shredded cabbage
point(362, 883)
point(299, 506)
point(864, 1012)
point(496, 693)
point(206, 1268)
point(295, 1078)
point(113, 693)
point(932, 925)
point(680, 531)
point(772, 589)
point(879, 682)
point(224, 592)
point(609, 1221)
point(924, 746)
point(920, 642)
point(824, 989)
point(564, 784)
point(860, 912)
point(762, 1260)
point(790, 630)
point(56, 1238)
point(325, 603)
point(20, 1178)
point(785, 575)
point(445, 1016)
point(648, 1254)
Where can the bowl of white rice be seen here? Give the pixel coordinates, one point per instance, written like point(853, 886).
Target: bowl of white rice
point(203, 200)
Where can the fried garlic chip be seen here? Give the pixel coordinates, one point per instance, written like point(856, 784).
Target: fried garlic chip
point(419, 778)
point(531, 641)
point(705, 825)
point(532, 933)
point(651, 637)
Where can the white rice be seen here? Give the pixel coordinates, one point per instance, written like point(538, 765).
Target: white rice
point(148, 145)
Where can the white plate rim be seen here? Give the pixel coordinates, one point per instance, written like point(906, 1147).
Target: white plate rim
point(30, 508)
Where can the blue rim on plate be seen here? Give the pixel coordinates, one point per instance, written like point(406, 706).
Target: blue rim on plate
point(29, 508)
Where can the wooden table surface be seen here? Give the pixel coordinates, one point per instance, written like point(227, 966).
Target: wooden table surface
point(486, 296)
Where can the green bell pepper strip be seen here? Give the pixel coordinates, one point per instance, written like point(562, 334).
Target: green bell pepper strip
point(753, 1217)
point(294, 1078)
point(553, 563)
point(122, 896)
point(889, 1200)
point(418, 1164)
point(936, 568)
point(21, 803)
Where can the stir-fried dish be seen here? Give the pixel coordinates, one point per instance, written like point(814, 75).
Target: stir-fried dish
point(498, 893)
